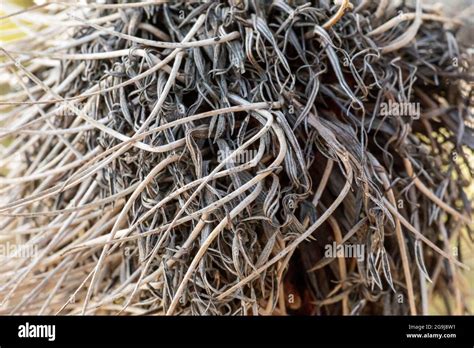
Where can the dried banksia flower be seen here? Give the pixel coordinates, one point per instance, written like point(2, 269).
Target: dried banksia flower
point(235, 157)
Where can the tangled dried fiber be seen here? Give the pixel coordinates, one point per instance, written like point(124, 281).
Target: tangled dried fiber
point(201, 158)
